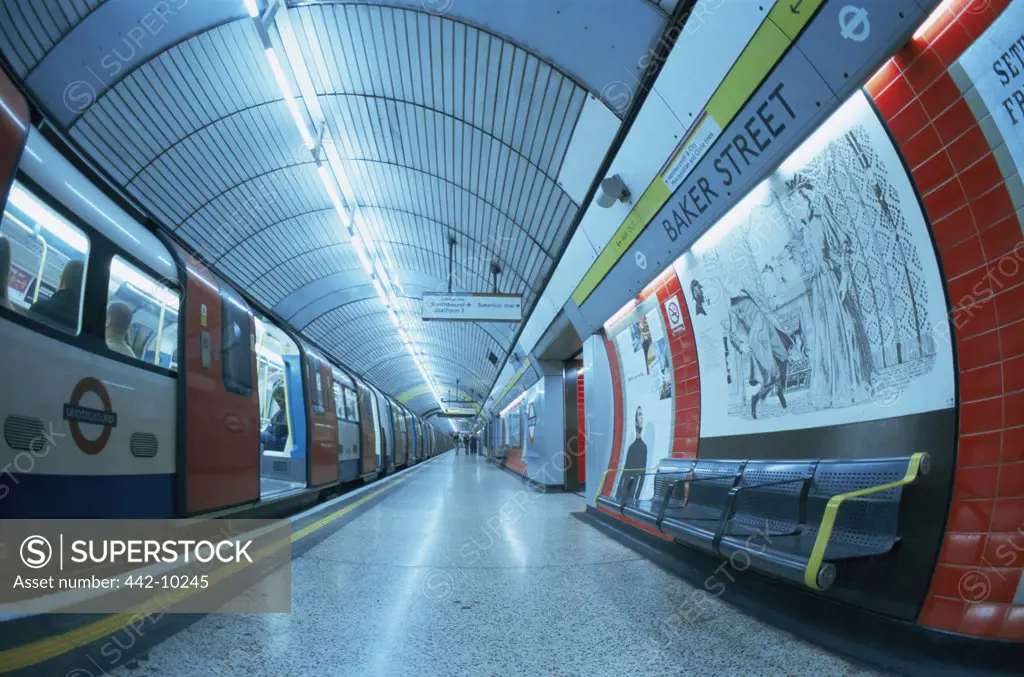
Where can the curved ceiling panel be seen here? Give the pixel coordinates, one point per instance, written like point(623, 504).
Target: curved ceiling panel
point(29, 29)
point(446, 127)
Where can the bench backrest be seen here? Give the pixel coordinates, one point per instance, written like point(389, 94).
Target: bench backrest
point(770, 492)
point(670, 470)
point(712, 482)
point(870, 519)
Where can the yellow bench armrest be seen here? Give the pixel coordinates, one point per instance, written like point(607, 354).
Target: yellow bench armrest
point(828, 520)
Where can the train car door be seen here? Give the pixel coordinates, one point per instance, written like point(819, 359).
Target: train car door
point(387, 459)
point(222, 433)
point(323, 424)
point(284, 424)
point(369, 437)
point(398, 434)
point(323, 430)
point(346, 403)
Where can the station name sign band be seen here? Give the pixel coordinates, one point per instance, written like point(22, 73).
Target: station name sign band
point(473, 307)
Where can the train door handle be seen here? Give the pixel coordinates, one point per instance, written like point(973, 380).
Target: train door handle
point(204, 349)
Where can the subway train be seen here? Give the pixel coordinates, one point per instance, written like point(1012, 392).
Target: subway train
point(138, 384)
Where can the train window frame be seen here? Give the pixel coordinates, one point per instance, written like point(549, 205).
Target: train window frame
point(45, 217)
point(339, 402)
point(316, 387)
point(354, 415)
point(167, 326)
point(232, 310)
point(90, 337)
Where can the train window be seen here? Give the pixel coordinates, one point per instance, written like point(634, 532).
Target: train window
point(236, 343)
point(351, 405)
point(316, 384)
point(142, 316)
point(43, 262)
point(339, 402)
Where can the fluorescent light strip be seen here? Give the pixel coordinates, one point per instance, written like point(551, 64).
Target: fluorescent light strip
point(332, 194)
point(382, 274)
point(289, 98)
point(250, 6)
point(361, 253)
point(380, 292)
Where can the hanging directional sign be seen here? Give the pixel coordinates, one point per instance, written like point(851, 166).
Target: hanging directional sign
point(466, 307)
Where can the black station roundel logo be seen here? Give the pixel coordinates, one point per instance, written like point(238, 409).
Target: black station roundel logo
point(75, 414)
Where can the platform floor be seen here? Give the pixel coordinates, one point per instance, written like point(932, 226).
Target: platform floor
point(463, 570)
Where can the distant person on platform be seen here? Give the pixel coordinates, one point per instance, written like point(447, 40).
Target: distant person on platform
point(458, 442)
point(631, 483)
point(64, 305)
point(275, 436)
point(472, 444)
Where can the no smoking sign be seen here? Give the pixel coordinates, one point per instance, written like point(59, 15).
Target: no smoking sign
point(674, 311)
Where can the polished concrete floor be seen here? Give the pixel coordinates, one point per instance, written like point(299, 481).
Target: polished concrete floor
point(463, 570)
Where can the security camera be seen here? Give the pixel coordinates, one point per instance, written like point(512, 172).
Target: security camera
point(612, 190)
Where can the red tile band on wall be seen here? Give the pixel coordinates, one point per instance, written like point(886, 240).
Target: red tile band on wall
point(613, 460)
point(684, 365)
point(981, 562)
point(686, 379)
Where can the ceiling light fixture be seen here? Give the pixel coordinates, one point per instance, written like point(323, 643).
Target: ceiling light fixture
point(357, 243)
point(381, 293)
point(289, 98)
point(375, 261)
point(332, 194)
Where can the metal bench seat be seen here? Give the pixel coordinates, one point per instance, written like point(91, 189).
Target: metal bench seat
point(667, 478)
point(795, 519)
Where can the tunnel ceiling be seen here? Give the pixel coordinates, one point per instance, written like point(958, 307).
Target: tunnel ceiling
point(451, 119)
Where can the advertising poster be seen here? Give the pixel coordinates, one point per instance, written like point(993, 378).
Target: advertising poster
point(994, 64)
point(514, 427)
point(647, 386)
point(817, 300)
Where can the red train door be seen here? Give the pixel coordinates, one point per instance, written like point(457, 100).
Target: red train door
point(367, 431)
point(323, 421)
point(221, 458)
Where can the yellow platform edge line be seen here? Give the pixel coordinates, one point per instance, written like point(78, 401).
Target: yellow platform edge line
point(50, 647)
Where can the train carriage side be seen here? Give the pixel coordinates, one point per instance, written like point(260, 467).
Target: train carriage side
point(89, 328)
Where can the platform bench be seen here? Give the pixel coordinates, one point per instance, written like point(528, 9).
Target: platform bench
point(795, 519)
